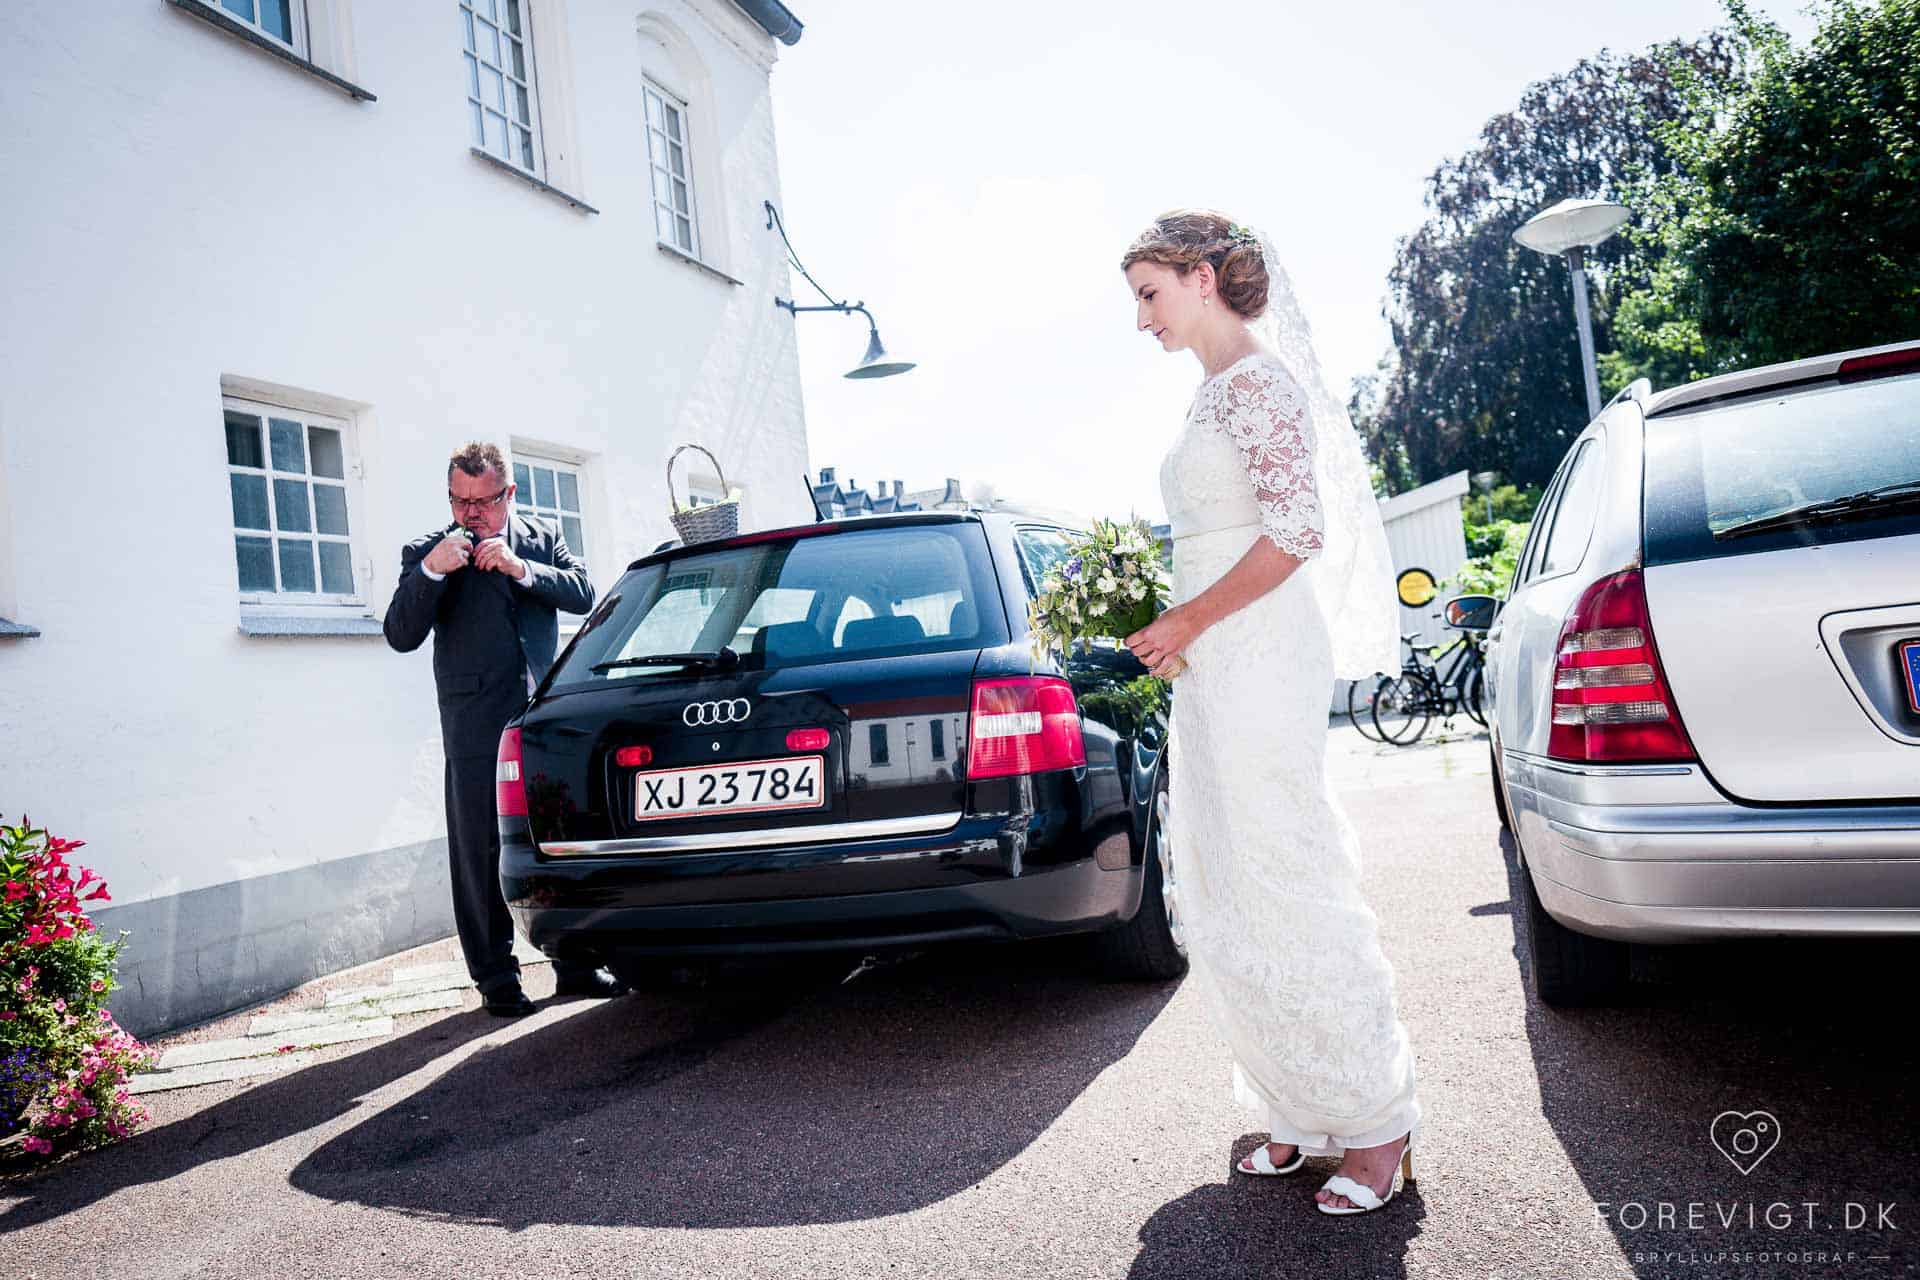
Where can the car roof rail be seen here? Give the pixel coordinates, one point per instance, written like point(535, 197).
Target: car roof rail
point(1637, 391)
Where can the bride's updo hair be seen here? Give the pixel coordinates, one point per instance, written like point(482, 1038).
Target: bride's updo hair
point(1185, 238)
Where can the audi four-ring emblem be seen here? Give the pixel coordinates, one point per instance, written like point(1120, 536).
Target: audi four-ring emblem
point(727, 711)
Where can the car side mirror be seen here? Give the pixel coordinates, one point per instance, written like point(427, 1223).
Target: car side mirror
point(1471, 613)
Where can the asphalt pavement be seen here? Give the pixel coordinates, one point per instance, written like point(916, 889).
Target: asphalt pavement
point(1003, 1112)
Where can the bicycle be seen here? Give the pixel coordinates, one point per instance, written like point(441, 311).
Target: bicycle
point(1404, 705)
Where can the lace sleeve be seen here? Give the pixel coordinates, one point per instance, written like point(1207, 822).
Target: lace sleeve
point(1266, 417)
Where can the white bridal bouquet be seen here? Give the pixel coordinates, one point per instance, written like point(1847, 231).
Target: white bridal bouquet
point(1111, 583)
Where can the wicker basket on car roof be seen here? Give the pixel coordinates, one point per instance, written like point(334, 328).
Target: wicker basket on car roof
point(707, 521)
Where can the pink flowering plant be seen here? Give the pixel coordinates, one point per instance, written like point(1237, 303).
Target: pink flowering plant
point(64, 1063)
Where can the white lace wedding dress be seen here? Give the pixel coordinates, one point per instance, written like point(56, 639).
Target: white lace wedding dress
point(1267, 868)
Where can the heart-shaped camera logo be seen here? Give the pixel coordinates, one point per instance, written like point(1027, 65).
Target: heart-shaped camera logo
point(1745, 1139)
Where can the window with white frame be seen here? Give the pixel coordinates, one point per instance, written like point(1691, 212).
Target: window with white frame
point(287, 474)
point(674, 218)
point(501, 106)
point(281, 19)
point(550, 488)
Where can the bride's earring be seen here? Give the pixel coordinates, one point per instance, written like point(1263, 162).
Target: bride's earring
point(1206, 300)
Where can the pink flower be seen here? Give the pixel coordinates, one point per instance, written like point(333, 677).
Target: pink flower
point(98, 984)
point(15, 891)
point(69, 1020)
point(7, 1015)
point(87, 1076)
point(59, 1006)
point(39, 1146)
point(105, 1016)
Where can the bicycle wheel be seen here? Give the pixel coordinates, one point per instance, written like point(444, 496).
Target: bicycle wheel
point(1360, 706)
point(1403, 707)
point(1472, 690)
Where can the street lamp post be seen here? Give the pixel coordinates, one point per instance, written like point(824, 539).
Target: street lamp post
point(1568, 230)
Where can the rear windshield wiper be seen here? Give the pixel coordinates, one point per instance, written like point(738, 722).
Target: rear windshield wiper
point(721, 659)
point(1889, 496)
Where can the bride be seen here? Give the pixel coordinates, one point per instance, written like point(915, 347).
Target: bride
point(1281, 581)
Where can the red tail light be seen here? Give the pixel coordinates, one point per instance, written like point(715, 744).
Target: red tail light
point(1880, 364)
point(1610, 697)
point(808, 740)
point(1025, 725)
point(509, 792)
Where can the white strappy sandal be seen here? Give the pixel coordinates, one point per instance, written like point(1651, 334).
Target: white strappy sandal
point(1261, 1165)
point(1364, 1198)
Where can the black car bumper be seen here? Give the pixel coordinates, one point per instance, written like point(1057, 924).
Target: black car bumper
point(983, 879)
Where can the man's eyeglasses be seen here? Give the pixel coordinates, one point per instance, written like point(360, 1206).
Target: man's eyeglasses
point(477, 504)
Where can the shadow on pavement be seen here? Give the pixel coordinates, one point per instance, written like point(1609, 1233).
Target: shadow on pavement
point(751, 1102)
point(1812, 1031)
point(1251, 1227)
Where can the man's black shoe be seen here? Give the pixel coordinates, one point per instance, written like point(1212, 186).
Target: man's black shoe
point(507, 1002)
point(596, 983)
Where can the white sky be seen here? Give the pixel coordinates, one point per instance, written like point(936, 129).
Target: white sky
point(973, 172)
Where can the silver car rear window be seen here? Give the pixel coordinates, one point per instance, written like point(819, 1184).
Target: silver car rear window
point(1712, 470)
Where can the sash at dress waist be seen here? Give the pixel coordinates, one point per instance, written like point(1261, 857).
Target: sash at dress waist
point(1190, 524)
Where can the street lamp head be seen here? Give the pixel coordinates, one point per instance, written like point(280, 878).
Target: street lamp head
point(1571, 224)
point(877, 363)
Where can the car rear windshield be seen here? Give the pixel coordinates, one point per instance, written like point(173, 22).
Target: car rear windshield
point(866, 593)
point(1713, 472)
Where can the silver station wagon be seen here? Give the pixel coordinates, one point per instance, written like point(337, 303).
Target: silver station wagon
point(1705, 679)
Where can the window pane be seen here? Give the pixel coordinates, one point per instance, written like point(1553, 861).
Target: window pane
point(290, 506)
point(330, 508)
point(513, 16)
point(255, 557)
point(569, 491)
point(328, 459)
point(653, 110)
point(289, 446)
point(686, 234)
point(542, 487)
point(243, 440)
point(479, 130)
point(486, 42)
point(466, 22)
point(677, 160)
point(239, 8)
point(937, 738)
point(493, 89)
point(497, 135)
point(336, 569)
point(679, 197)
point(1573, 519)
point(296, 564)
point(673, 124)
point(523, 478)
point(276, 19)
point(576, 537)
point(877, 743)
point(485, 9)
point(473, 76)
point(518, 51)
point(662, 223)
point(520, 104)
point(525, 141)
point(249, 501)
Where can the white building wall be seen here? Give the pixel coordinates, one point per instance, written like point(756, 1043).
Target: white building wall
point(184, 211)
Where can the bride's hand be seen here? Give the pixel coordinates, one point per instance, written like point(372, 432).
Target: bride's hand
point(1164, 639)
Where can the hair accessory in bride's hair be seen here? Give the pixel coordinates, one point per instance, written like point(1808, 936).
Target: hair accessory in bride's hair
point(1244, 235)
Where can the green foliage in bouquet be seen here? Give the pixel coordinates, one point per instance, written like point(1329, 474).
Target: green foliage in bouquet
point(1111, 584)
point(63, 1060)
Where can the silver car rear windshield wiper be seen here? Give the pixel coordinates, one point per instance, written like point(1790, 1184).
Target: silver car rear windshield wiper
point(1903, 493)
point(721, 659)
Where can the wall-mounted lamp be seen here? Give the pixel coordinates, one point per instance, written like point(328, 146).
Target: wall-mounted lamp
point(876, 363)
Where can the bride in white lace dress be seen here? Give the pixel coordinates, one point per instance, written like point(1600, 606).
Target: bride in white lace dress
point(1281, 580)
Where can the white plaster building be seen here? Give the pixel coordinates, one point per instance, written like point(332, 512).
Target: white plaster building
point(266, 263)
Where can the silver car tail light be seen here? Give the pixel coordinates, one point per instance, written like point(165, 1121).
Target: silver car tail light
point(1610, 698)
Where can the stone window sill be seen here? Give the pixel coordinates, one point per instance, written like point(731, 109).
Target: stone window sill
point(297, 624)
point(494, 160)
point(674, 251)
point(11, 630)
point(240, 30)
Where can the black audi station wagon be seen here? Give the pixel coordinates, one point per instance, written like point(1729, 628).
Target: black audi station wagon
point(836, 737)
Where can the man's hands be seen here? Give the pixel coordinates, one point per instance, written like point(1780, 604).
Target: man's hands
point(455, 552)
point(450, 553)
point(496, 555)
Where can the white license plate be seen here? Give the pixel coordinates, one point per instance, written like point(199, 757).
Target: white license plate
point(741, 786)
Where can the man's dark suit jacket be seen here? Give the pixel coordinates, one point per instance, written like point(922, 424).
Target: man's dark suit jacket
point(488, 631)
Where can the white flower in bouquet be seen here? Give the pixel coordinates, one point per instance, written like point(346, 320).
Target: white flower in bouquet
point(1111, 584)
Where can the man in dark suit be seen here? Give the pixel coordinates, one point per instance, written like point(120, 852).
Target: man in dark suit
point(487, 587)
